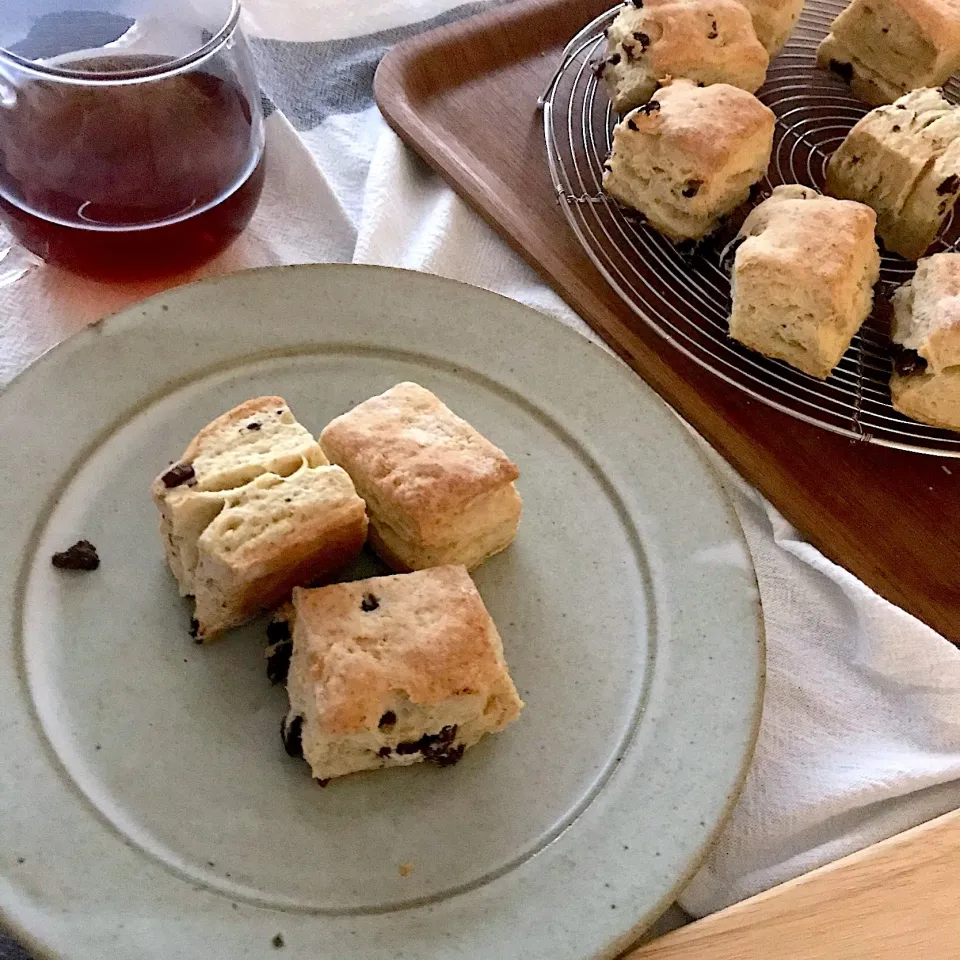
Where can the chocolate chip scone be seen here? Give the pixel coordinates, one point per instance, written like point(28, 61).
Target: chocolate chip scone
point(394, 670)
point(707, 41)
point(251, 510)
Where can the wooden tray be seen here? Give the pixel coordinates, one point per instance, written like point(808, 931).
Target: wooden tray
point(464, 97)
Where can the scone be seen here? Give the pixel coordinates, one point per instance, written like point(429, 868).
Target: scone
point(251, 510)
point(437, 491)
point(394, 670)
point(689, 157)
point(773, 21)
point(710, 41)
point(803, 277)
point(885, 48)
point(904, 161)
point(926, 380)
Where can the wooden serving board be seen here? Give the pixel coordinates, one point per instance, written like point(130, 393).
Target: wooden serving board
point(464, 97)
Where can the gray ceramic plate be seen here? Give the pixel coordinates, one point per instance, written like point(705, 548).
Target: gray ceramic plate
point(147, 809)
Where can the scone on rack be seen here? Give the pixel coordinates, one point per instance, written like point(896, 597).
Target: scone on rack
point(394, 670)
point(926, 380)
point(689, 157)
point(803, 277)
point(885, 48)
point(251, 510)
point(904, 161)
point(437, 491)
point(773, 21)
point(708, 41)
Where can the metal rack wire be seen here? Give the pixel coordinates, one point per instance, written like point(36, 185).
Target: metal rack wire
point(685, 296)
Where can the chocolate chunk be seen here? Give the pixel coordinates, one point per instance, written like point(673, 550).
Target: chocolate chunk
point(650, 107)
point(631, 124)
point(369, 603)
point(254, 425)
point(292, 734)
point(278, 631)
point(388, 719)
point(278, 662)
point(842, 69)
point(384, 752)
point(277, 941)
point(949, 185)
point(713, 34)
point(692, 188)
point(178, 474)
point(907, 362)
point(643, 39)
point(81, 556)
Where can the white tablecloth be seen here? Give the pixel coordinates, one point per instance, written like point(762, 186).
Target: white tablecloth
point(861, 730)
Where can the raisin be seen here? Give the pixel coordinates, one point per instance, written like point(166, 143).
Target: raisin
point(178, 474)
point(254, 425)
point(81, 556)
point(637, 3)
point(388, 719)
point(854, 161)
point(896, 128)
point(278, 631)
point(692, 188)
point(614, 60)
point(292, 736)
point(906, 362)
point(278, 941)
point(194, 627)
point(713, 34)
point(322, 782)
point(384, 752)
point(278, 662)
point(949, 185)
point(631, 124)
point(599, 67)
point(436, 748)
point(408, 747)
point(643, 39)
point(842, 69)
point(369, 603)
point(650, 107)
point(445, 757)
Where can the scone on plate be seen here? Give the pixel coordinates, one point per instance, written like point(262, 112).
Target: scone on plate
point(773, 21)
point(689, 157)
point(437, 491)
point(885, 48)
point(904, 161)
point(803, 277)
point(709, 41)
point(395, 670)
point(926, 380)
point(251, 510)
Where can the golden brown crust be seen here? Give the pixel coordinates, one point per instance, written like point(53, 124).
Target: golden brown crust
point(415, 461)
point(426, 636)
point(929, 398)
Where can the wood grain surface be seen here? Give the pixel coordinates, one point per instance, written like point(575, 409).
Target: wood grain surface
point(464, 97)
point(896, 900)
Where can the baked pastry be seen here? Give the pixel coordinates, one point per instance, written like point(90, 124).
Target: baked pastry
point(926, 327)
point(773, 21)
point(904, 161)
point(437, 491)
point(391, 671)
point(251, 510)
point(803, 277)
point(710, 41)
point(690, 156)
point(885, 48)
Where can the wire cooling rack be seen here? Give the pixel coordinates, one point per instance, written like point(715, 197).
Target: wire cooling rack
point(685, 295)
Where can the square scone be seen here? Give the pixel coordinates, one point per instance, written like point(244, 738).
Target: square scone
point(689, 157)
point(708, 41)
point(803, 277)
point(394, 670)
point(251, 510)
point(774, 21)
point(926, 329)
point(437, 491)
point(885, 48)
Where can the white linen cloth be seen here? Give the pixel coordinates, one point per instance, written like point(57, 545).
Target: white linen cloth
point(861, 730)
